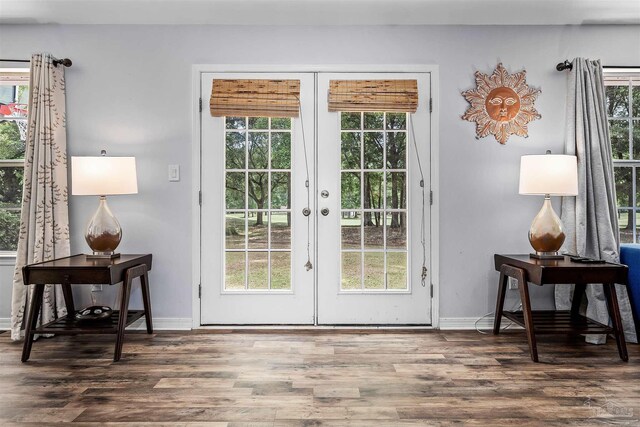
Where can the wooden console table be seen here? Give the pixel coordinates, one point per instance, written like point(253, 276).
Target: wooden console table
point(541, 272)
point(79, 270)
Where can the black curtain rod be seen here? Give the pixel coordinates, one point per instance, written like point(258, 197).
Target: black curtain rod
point(566, 65)
point(65, 61)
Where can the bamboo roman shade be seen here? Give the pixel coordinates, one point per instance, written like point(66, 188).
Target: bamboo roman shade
point(373, 95)
point(255, 98)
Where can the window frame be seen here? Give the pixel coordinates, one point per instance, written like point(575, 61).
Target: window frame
point(13, 77)
point(630, 76)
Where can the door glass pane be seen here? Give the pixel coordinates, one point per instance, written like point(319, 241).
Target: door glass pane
point(235, 230)
point(350, 190)
point(235, 154)
point(350, 225)
point(374, 201)
point(374, 121)
point(258, 201)
point(280, 150)
point(235, 190)
point(281, 230)
point(280, 270)
point(396, 270)
point(235, 122)
point(396, 190)
point(258, 150)
point(374, 270)
point(396, 150)
point(280, 190)
point(373, 191)
point(235, 267)
point(350, 121)
point(258, 230)
point(258, 123)
point(258, 270)
point(396, 230)
point(373, 150)
point(373, 230)
point(257, 191)
point(351, 150)
point(351, 271)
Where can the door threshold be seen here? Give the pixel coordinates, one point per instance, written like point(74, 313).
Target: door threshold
point(279, 328)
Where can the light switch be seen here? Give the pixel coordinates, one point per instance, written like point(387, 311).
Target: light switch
point(174, 172)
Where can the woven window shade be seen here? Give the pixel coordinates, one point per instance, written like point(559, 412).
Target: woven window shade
point(255, 98)
point(373, 95)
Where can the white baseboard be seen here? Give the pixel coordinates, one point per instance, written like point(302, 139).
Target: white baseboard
point(469, 323)
point(159, 324)
point(184, 324)
point(163, 324)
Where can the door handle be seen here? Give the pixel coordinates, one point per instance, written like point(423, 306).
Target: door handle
point(324, 211)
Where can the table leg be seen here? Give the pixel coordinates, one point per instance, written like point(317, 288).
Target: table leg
point(124, 311)
point(32, 320)
point(614, 313)
point(523, 286)
point(502, 290)
point(68, 299)
point(146, 300)
point(578, 293)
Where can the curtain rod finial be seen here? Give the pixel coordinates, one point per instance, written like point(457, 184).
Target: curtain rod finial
point(566, 65)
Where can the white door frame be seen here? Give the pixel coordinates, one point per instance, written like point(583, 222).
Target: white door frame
point(198, 69)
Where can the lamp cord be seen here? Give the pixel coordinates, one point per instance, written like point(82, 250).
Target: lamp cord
point(423, 240)
point(307, 210)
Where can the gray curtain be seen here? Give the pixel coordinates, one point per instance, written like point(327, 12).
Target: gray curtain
point(591, 218)
point(44, 222)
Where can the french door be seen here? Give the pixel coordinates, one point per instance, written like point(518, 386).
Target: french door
point(366, 225)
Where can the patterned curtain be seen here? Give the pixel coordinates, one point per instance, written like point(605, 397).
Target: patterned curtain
point(44, 222)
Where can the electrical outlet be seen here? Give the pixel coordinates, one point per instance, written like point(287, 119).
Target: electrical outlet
point(513, 283)
point(96, 288)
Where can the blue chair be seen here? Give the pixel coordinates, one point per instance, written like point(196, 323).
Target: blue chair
point(630, 255)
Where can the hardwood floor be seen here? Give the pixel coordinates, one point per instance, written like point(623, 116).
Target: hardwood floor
point(323, 377)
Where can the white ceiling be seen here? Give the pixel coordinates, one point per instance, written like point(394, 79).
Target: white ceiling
point(321, 12)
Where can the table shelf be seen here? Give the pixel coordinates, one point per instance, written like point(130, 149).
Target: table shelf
point(71, 326)
point(559, 322)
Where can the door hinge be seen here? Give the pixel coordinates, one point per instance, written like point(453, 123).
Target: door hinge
point(430, 105)
point(432, 290)
point(200, 197)
point(431, 197)
point(200, 104)
point(200, 291)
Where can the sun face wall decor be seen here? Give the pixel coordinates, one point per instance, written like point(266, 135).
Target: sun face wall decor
point(501, 104)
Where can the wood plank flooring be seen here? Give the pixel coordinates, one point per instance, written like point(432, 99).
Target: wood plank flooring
point(318, 378)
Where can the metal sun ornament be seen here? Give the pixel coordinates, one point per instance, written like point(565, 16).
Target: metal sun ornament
point(501, 104)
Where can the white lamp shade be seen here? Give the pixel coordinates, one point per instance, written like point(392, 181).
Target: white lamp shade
point(553, 174)
point(103, 176)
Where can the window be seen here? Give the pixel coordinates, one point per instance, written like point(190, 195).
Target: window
point(623, 111)
point(14, 99)
point(374, 201)
point(258, 203)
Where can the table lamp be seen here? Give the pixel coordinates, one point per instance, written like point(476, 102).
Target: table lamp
point(103, 176)
point(548, 175)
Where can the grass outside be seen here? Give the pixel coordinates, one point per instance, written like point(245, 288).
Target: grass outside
point(352, 262)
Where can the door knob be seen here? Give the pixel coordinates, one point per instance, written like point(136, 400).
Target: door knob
point(324, 211)
point(324, 194)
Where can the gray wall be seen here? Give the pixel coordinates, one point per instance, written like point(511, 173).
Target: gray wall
point(129, 90)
